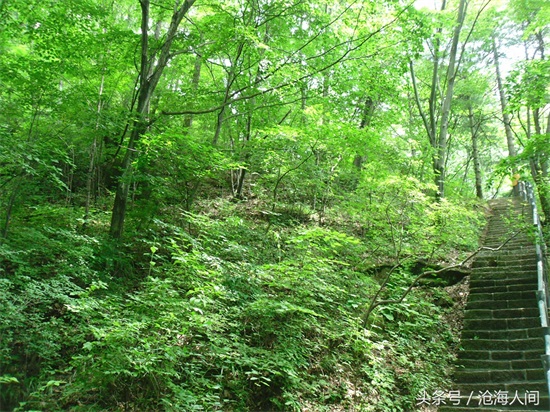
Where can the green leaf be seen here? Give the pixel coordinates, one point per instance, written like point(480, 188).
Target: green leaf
point(6, 379)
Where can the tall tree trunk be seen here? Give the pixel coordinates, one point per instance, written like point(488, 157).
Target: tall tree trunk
point(475, 153)
point(152, 66)
point(93, 152)
point(241, 174)
point(441, 155)
point(438, 131)
point(238, 193)
point(188, 121)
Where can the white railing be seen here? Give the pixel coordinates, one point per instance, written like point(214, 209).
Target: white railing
point(527, 193)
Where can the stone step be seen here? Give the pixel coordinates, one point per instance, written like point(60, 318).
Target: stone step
point(503, 223)
point(502, 207)
point(505, 269)
point(511, 217)
point(499, 274)
point(525, 246)
point(526, 261)
point(490, 314)
point(503, 266)
point(495, 242)
point(506, 288)
point(503, 273)
point(519, 247)
point(483, 376)
point(505, 253)
point(492, 251)
point(515, 295)
point(499, 365)
point(505, 236)
point(514, 211)
point(504, 344)
point(515, 204)
point(499, 245)
point(499, 261)
point(480, 282)
point(507, 239)
point(503, 304)
point(496, 324)
point(498, 355)
point(503, 226)
point(505, 220)
point(523, 333)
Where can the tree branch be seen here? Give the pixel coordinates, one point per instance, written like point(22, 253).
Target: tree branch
point(238, 92)
point(419, 104)
point(373, 305)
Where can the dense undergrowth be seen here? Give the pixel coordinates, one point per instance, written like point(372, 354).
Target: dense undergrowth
point(227, 308)
point(199, 201)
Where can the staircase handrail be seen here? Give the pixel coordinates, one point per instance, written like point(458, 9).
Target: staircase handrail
point(527, 193)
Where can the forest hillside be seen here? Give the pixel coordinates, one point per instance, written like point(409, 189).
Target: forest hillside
point(253, 205)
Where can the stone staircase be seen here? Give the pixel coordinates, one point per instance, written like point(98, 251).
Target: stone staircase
point(500, 367)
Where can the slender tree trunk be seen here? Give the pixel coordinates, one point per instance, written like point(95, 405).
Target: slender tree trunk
point(438, 131)
point(248, 134)
point(188, 122)
point(242, 171)
point(431, 127)
point(93, 153)
point(475, 153)
point(441, 155)
point(139, 127)
point(90, 178)
point(152, 65)
point(430, 119)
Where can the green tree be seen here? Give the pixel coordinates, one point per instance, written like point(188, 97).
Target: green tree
point(528, 91)
point(441, 92)
point(153, 61)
